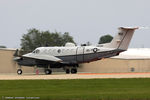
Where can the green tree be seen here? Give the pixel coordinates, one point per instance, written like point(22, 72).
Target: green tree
point(1, 46)
point(105, 39)
point(35, 38)
point(66, 38)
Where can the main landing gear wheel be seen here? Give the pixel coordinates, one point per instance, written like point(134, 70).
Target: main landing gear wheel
point(19, 71)
point(73, 70)
point(67, 71)
point(48, 71)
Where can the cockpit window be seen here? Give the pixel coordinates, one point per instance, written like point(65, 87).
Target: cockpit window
point(33, 51)
point(36, 51)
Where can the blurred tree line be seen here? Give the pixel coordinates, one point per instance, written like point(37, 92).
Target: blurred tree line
point(105, 39)
point(35, 38)
point(2, 46)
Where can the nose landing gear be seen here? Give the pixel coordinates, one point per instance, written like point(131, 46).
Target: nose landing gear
point(19, 71)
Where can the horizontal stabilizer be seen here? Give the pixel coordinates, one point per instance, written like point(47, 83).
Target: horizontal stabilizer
point(129, 28)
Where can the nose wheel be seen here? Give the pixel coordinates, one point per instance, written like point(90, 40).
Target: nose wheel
point(19, 71)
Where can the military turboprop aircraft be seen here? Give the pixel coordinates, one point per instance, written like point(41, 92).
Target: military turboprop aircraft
point(70, 56)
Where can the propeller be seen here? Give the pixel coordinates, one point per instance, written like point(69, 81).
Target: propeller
point(16, 58)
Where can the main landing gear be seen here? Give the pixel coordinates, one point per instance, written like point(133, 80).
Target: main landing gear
point(72, 70)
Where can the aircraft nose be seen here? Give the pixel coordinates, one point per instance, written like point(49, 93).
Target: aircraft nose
point(27, 55)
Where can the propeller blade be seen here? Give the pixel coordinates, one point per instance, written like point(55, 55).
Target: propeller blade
point(16, 58)
point(16, 53)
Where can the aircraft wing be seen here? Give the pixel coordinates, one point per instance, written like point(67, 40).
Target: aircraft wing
point(42, 57)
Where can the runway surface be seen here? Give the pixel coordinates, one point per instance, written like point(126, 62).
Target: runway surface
point(73, 76)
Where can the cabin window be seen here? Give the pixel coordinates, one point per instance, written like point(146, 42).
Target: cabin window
point(58, 50)
point(37, 51)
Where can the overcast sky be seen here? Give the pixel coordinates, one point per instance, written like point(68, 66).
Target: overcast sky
point(85, 20)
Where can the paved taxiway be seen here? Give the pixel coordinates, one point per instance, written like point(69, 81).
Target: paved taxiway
point(74, 76)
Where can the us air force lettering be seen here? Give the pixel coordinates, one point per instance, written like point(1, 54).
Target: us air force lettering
point(70, 56)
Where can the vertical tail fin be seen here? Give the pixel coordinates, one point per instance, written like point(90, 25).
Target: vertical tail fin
point(122, 39)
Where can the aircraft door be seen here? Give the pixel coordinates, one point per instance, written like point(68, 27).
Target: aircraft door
point(80, 54)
